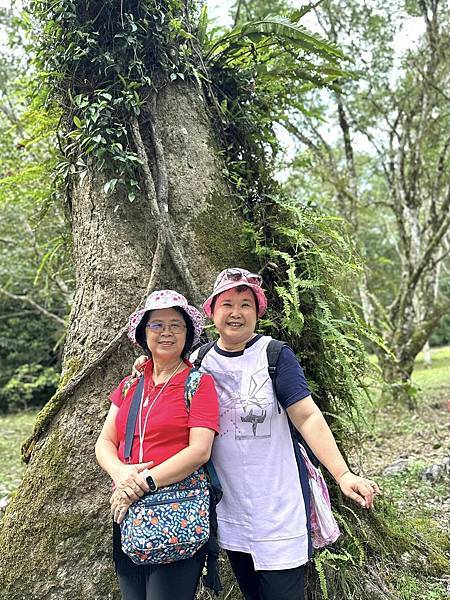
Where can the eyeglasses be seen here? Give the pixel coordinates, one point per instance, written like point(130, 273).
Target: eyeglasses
point(237, 275)
point(159, 327)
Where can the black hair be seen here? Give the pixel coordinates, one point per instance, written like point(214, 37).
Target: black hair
point(240, 290)
point(190, 332)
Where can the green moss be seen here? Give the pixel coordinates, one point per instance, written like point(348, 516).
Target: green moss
point(381, 542)
point(215, 227)
point(43, 506)
point(72, 366)
point(31, 507)
point(412, 588)
point(437, 541)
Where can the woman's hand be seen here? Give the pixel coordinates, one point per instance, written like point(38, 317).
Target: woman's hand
point(130, 481)
point(359, 489)
point(136, 371)
point(120, 503)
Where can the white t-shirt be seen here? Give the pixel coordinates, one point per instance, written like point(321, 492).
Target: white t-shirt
point(262, 511)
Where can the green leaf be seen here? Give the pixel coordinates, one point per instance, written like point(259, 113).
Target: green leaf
point(285, 28)
point(278, 27)
point(110, 186)
point(298, 13)
point(78, 122)
point(202, 25)
point(58, 242)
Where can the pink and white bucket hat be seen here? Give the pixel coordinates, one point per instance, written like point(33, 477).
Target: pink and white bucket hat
point(166, 299)
point(234, 277)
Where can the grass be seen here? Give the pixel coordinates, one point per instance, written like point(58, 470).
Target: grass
point(13, 431)
point(409, 587)
point(432, 385)
point(435, 380)
point(420, 438)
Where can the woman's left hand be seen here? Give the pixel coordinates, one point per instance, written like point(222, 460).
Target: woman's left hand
point(359, 489)
point(120, 503)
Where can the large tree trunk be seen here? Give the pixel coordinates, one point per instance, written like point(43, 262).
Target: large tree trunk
point(55, 536)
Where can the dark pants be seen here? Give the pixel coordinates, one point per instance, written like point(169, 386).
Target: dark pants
point(174, 581)
point(287, 584)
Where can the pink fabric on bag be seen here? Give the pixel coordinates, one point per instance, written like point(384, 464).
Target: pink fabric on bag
point(324, 528)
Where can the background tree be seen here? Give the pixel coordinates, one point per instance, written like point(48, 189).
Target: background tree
point(166, 134)
point(388, 172)
point(36, 278)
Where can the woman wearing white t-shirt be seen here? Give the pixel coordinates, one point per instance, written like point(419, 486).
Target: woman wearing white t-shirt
point(262, 521)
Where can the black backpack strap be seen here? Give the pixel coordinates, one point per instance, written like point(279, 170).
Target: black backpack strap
point(201, 354)
point(132, 416)
point(273, 350)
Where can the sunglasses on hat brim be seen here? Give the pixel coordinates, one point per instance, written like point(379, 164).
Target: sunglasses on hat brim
point(236, 275)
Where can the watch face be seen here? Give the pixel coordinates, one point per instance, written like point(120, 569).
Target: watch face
point(151, 484)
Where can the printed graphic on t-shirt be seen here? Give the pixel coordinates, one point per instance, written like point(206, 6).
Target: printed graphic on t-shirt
point(228, 386)
point(247, 412)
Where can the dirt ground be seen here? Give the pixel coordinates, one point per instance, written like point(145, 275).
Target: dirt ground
point(425, 436)
point(416, 445)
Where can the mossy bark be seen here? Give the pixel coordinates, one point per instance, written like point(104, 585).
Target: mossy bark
point(55, 535)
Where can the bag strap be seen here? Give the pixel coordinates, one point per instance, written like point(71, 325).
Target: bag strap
point(128, 383)
point(202, 351)
point(190, 387)
point(273, 350)
point(132, 416)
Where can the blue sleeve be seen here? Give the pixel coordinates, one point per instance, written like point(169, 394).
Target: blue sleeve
point(290, 382)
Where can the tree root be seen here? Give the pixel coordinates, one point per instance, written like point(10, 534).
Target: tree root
point(161, 218)
point(52, 407)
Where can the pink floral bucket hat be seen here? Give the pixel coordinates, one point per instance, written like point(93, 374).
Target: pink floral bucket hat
point(166, 299)
point(231, 278)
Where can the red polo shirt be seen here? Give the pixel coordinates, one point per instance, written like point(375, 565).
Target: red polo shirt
point(168, 424)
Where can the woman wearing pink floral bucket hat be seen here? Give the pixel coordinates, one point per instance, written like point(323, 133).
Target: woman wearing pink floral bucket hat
point(267, 522)
point(167, 299)
point(153, 445)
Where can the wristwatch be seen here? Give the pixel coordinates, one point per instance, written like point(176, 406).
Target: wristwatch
point(151, 484)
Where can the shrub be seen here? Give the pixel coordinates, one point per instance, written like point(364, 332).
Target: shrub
point(30, 385)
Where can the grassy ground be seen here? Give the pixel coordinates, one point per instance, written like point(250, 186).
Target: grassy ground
point(396, 432)
point(417, 437)
point(435, 381)
point(13, 431)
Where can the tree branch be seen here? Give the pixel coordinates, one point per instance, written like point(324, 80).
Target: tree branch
point(162, 183)
point(317, 150)
point(398, 306)
point(37, 307)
